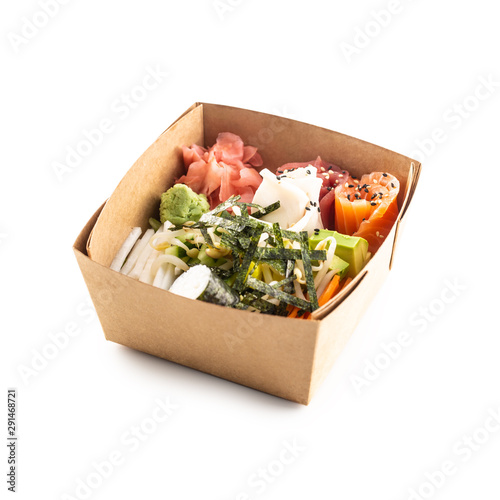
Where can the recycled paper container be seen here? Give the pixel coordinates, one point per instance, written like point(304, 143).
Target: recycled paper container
point(286, 357)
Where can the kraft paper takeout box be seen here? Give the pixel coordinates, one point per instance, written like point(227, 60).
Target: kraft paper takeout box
point(281, 356)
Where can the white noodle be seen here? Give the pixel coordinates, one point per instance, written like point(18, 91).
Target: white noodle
point(129, 242)
point(134, 254)
point(326, 264)
point(159, 276)
point(171, 259)
point(146, 276)
point(143, 259)
point(298, 290)
point(169, 278)
point(324, 282)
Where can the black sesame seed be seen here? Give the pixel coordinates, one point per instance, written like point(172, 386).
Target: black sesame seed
point(373, 196)
point(319, 209)
point(329, 188)
point(366, 190)
point(349, 197)
point(307, 208)
point(392, 185)
point(372, 203)
point(351, 185)
point(385, 175)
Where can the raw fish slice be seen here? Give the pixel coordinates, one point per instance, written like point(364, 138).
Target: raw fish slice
point(367, 207)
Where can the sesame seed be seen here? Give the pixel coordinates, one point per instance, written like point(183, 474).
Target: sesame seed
point(372, 203)
point(349, 197)
point(307, 208)
point(351, 185)
point(385, 175)
point(366, 190)
point(392, 185)
point(377, 233)
point(322, 169)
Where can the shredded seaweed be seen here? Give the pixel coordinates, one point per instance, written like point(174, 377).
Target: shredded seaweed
point(248, 257)
point(306, 261)
point(260, 304)
point(278, 294)
point(266, 210)
point(289, 254)
point(206, 236)
point(230, 202)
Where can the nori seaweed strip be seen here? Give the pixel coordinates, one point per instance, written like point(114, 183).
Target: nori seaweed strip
point(262, 305)
point(284, 282)
point(231, 201)
point(278, 236)
point(230, 242)
point(222, 222)
point(288, 288)
point(288, 254)
point(290, 267)
point(206, 236)
point(247, 260)
point(277, 265)
point(274, 292)
point(266, 210)
point(306, 260)
point(240, 305)
point(244, 209)
point(291, 235)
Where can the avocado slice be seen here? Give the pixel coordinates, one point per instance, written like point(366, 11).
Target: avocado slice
point(339, 266)
point(351, 249)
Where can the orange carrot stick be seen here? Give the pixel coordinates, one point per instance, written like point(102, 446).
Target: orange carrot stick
point(329, 291)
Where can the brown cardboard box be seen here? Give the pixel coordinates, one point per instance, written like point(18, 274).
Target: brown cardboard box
point(281, 356)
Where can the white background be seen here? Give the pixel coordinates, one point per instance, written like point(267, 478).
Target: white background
point(283, 57)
